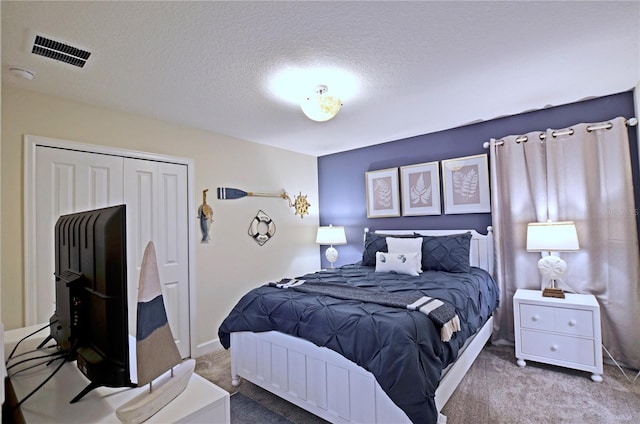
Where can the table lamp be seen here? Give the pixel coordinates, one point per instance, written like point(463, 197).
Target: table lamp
point(552, 237)
point(331, 235)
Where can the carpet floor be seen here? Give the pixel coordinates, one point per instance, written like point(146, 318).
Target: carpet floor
point(495, 390)
point(247, 410)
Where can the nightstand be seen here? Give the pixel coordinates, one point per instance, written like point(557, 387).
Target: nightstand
point(564, 332)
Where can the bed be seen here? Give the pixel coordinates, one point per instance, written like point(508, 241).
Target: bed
point(350, 361)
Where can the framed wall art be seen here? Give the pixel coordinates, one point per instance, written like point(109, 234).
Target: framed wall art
point(382, 193)
point(420, 189)
point(466, 185)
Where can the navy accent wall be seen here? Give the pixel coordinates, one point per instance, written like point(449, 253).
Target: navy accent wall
point(341, 176)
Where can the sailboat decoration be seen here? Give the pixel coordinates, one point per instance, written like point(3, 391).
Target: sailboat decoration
point(156, 350)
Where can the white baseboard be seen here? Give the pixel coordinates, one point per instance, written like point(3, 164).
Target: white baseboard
point(208, 347)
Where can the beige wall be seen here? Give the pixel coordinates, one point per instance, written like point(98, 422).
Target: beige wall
point(232, 262)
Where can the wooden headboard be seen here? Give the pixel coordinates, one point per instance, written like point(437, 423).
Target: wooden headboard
point(481, 249)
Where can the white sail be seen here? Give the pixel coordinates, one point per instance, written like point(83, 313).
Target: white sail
point(156, 350)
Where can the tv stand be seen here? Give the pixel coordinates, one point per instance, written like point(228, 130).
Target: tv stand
point(202, 401)
point(45, 341)
point(86, 390)
point(90, 387)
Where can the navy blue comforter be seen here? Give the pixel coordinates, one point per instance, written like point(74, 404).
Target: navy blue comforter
point(401, 348)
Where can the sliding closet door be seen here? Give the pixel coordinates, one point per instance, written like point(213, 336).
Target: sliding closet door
point(157, 211)
point(67, 181)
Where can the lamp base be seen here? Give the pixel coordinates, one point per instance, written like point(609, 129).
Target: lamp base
point(331, 254)
point(553, 292)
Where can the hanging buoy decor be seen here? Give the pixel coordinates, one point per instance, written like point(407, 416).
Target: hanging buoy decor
point(262, 228)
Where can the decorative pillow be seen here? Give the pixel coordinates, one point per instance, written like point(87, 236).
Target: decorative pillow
point(377, 243)
point(404, 245)
point(400, 263)
point(446, 253)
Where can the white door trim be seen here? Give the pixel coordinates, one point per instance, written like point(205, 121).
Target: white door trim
point(30, 284)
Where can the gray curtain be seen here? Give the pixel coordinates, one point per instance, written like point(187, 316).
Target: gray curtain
point(584, 177)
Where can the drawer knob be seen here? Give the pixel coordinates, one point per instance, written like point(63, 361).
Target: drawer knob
point(554, 348)
point(572, 323)
point(536, 317)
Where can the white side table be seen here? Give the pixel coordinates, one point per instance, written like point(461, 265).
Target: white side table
point(564, 332)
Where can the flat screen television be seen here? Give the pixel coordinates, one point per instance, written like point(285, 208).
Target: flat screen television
point(90, 321)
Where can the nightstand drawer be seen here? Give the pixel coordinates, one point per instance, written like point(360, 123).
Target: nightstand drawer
point(576, 322)
point(537, 317)
point(559, 348)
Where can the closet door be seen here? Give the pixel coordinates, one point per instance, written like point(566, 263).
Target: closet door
point(156, 198)
point(67, 181)
point(61, 179)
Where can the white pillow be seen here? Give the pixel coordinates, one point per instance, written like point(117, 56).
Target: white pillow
point(404, 245)
point(401, 263)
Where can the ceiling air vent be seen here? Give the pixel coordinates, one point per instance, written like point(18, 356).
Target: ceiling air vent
point(59, 51)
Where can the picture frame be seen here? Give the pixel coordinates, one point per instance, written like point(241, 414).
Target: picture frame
point(466, 185)
point(420, 189)
point(382, 193)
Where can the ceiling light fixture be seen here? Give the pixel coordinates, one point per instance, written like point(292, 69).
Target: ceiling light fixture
point(321, 107)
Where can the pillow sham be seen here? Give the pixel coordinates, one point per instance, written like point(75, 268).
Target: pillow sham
point(400, 263)
point(377, 243)
point(404, 245)
point(448, 253)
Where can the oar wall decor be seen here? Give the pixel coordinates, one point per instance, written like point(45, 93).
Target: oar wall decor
point(300, 202)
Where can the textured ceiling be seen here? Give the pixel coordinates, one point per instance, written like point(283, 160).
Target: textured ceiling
point(402, 68)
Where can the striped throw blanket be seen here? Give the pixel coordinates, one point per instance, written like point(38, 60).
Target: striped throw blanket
point(441, 313)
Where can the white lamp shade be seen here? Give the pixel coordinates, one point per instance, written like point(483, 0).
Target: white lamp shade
point(552, 237)
point(331, 235)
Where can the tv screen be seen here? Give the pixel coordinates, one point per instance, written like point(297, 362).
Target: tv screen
point(90, 322)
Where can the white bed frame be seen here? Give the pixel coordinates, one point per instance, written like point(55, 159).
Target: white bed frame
point(332, 387)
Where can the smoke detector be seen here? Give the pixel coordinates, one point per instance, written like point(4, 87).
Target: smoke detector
point(21, 72)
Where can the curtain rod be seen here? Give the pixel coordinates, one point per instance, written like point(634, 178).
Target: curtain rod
point(631, 122)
